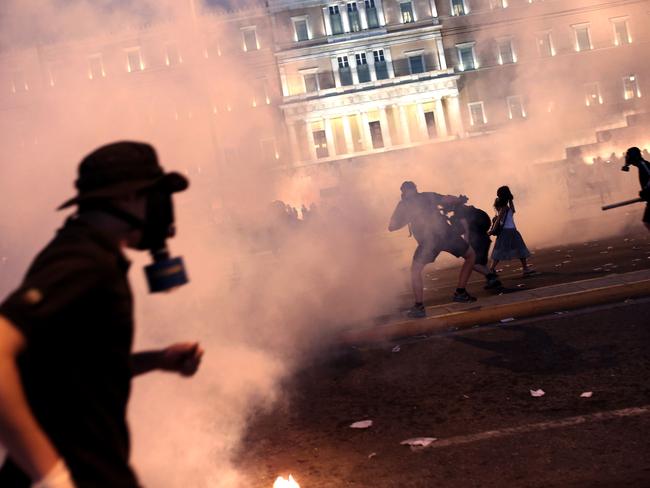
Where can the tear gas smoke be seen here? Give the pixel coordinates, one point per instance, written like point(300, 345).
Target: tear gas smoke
point(263, 294)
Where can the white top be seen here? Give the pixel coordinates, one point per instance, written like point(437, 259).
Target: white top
point(509, 222)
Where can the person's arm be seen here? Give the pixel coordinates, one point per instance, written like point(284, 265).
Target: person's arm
point(182, 358)
point(398, 219)
point(465, 225)
point(451, 200)
point(26, 442)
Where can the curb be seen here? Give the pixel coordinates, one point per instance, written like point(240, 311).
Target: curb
point(481, 316)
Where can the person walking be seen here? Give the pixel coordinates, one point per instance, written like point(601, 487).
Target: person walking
point(422, 213)
point(509, 244)
point(474, 224)
point(66, 333)
point(633, 157)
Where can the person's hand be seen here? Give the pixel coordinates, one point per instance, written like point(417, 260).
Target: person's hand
point(183, 358)
point(58, 477)
point(463, 199)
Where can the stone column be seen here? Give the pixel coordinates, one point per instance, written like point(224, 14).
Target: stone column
point(364, 129)
point(434, 9)
point(352, 59)
point(380, 13)
point(455, 119)
point(326, 19)
point(389, 62)
point(335, 72)
point(347, 132)
point(311, 143)
point(283, 80)
point(441, 122)
point(329, 136)
point(404, 125)
point(363, 18)
point(345, 20)
point(293, 141)
point(371, 65)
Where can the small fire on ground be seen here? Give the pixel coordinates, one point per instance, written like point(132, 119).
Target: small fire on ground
point(282, 483)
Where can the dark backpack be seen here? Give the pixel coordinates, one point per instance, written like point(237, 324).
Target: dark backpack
point(482, 221)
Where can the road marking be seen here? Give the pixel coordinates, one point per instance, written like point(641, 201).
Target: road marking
point(542, 426)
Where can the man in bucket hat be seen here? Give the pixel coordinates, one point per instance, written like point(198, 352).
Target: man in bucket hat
point(66, 333)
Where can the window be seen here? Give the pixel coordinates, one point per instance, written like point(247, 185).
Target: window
point(336, 24)
point(381, 68)
point(416, 64)
point(631, 87)
point(301, 29)
point(592, 95)
point(249, 35)
point(172, 54)
point(371, 14)
point(430, 120)
point(375, 135)
point(499, 4)
point(516, 108)
point(345, 75)
point(19, 82)
point(406, 9)
point(134, 60)
point(96, 67)
point(458, 7)
point(621, 32)
point(363, 70)
point(311, 82)
point(353, 17)
point(506, 54)
point(477, 114)
point(269, 150)
point(583, 38)
point(545, 44)
point(466, 57)
point(320, 143)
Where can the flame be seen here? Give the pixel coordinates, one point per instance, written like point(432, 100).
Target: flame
point(282, 483)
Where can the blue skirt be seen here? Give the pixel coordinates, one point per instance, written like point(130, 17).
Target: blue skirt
point(510, 245)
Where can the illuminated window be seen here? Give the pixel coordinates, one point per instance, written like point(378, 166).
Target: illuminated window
point(172, 54)
point(336, 24)
point(96, 67)
point(416, 63)
point(363, 70)
point(301, 28)
point(406, 9)
point(477, 113)
point(381, 67)
point(52, 70)
point(621, 32)
point(459, 7)
point(583, 37)
point(345, 75)
point(371, 14)
point(466, 57)
point(516, 108)
point(430, 121)
point(631, 87)
point(506, 54)
point(134, 60)
point(19, 82)
point(270, 152)
point(499, 3)
point(593, 95)
point(545, 44)
point(353, 17)
point(249, 35)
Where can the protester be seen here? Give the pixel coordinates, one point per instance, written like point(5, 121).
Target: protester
point(509, 244)
point(422, 213)
point(634, 158)
point(66, 333)
point(474, 224)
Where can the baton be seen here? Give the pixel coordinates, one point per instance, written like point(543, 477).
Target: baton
point(622, 204)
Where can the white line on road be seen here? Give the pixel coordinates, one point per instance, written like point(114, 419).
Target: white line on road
point(553, 424)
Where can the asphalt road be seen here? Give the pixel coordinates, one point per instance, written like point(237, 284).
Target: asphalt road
point(560, 264)
point(471, 391)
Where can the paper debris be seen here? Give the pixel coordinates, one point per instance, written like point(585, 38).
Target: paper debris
point(419, 441)
point(397, 349)
point(537, 393)
point(363, 424)
point(587, 394)
point(372, 455)
point(509, 319)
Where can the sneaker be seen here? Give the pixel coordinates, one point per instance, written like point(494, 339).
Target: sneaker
point(529, 272)
point(417, 312)
point(464, 297)
point(492, 284)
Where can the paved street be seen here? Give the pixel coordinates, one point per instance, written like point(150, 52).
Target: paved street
point(471, 391)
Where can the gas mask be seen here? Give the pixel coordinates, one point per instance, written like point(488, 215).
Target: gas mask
point(166, 272)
